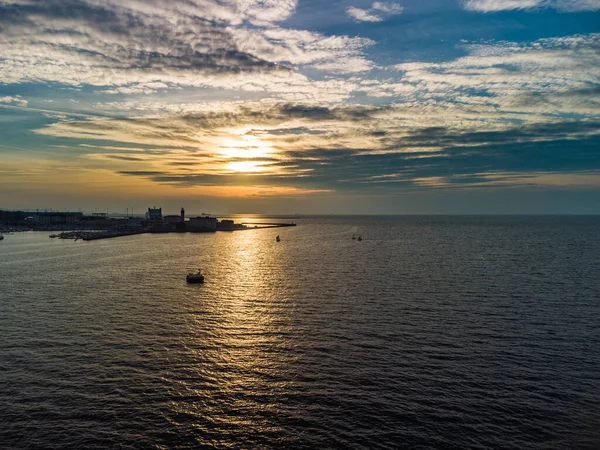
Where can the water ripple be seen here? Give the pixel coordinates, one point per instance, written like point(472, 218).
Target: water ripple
point(430, 333)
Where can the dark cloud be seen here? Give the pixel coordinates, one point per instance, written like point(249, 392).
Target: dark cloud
point(285, 131)
point(439, 136)
point(126, 158)
point(398, 155)
point(119, 39)
point(140, 173)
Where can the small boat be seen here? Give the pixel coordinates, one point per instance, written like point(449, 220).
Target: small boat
point(53, 236)
point(353, 237)
point(277, 238)
point(195, 277)
point(359, 238)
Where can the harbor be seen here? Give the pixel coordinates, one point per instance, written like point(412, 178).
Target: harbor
point(96, 226)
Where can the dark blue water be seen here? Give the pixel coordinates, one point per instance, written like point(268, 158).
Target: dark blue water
point(433, 332)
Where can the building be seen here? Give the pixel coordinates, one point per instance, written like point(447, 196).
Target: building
point(172, 219)
point(56, 218)
point(226, 225)
point(202, 223)
point(100, 220)
point(13, 217)
point(154, 215)
point(175, 219)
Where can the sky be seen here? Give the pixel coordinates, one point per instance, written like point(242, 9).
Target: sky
point(301, 106)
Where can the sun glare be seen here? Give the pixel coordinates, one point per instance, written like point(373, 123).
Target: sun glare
point(244, 166)
point(248, 147)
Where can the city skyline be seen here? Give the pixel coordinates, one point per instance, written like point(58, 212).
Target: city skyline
point(285, 107)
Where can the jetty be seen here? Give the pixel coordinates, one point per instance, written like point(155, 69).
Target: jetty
point(257, 225)
point(95, 235)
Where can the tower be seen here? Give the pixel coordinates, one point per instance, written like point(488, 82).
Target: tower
point(182, 215)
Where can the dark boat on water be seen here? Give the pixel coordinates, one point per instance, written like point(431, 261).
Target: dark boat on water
point(195, 278)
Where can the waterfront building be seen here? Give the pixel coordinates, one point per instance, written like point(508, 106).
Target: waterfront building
point(172, 219)
point(13, 217)
point(56, 218)
point(154, 214)
point(226, 225)
point(202, 223)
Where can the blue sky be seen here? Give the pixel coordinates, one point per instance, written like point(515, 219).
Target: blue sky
point(285, 106)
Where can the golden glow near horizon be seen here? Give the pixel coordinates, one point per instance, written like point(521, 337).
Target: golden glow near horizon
point(248, 148)
point(244, 166)
point(245, 147)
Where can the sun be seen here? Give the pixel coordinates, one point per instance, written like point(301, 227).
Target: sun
point(244, 166)
point(245, 147)
point(244, 154)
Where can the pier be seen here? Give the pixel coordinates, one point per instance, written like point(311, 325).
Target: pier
point(260, 225)
point(91, 235)
point(95, 235)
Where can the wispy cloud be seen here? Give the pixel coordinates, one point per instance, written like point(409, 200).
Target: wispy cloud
point(378, 12)
point(504, 5)
point(338, 148)
point(140, 48)
point(14, 100)
point(549, 76)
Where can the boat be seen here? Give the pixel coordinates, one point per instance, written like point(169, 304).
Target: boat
point(195, 277)
point(353, 237)
point(359, 238)
point(53, 236)
point(277, 238)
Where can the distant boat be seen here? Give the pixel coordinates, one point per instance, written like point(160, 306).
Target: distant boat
point(194, 278)
point(278, 238)
point(359, 238)
point(353, 237)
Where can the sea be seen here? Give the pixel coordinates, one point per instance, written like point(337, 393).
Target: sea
point(432, 332)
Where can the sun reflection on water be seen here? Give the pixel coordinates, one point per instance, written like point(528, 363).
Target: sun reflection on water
point(245, 333)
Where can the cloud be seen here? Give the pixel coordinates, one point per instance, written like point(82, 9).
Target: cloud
point(87, 44)
point(362, 15)
point(132, 47)
point(500, 5)
point(364, 148)
point(339, 54)
point(504, 5)
point(15, 100)
point(378, 12)
point(221, 93)
point(388, 7)
point(548, 77)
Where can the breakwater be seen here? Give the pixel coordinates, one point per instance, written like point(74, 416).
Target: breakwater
point(256, 225)
point(93, 235)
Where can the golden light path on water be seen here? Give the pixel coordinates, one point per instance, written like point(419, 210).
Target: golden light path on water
point(249, 337)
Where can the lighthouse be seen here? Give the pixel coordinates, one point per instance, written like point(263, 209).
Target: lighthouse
point(182, 215)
